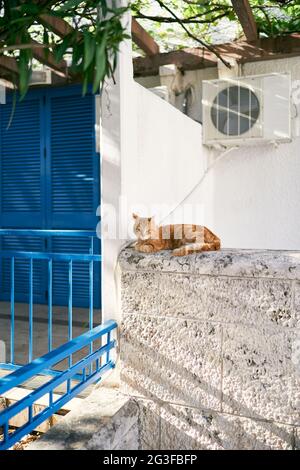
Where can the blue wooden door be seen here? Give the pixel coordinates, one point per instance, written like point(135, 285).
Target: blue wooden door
point(73, 167)
point(50, 177)
point(22, 189)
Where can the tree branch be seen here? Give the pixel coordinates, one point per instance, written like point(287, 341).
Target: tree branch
point(190, 20)
point(20, 47)
point(191, 35)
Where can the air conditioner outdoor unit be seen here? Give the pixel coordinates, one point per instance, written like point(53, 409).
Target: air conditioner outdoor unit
point(247, 110)
point(161, 91)
point(41, 77)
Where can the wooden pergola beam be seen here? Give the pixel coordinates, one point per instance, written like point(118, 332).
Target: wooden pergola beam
point(9, 71)
point(60, 27)
point(246, 18)
point(57, 25)
point(242, 51)
point(139, 34)
point(184, 59)
point(143, 39)
point(47, 58)
point(9, 64)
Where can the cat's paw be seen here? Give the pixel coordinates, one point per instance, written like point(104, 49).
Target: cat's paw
point(146, 248)
point(138, 245)
point(179, 252)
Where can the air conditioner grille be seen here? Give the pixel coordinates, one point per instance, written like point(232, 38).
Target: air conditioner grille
point(235, 110)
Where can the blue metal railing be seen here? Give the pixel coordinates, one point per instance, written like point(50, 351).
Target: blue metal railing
point(85, 371)
point(91, 368)
point(69, 258)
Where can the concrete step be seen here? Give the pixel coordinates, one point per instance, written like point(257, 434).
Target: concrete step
point(40, 380)
point(16, 394)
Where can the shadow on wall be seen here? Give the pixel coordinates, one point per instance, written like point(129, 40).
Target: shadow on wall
point(166, 426)
point(179, 409)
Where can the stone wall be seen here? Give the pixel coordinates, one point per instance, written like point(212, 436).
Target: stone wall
point(209, 348)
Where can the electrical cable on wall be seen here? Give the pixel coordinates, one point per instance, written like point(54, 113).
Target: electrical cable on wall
point(208, 169)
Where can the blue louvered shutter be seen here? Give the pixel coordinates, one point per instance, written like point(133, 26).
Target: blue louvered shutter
point(74, 193)
point(50, 177)
point(21, 190)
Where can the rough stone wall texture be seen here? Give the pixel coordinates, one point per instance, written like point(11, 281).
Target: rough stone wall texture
point(210, 348)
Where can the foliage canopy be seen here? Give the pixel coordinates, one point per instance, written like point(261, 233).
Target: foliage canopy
point(91, 44)
point(179, 23)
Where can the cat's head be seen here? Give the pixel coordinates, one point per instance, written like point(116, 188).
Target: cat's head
point(144, 227)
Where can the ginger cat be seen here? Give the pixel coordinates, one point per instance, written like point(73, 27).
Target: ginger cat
point(182, 239)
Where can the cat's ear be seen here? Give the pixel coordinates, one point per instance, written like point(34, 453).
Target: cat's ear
point(150, 218)
point(135, 216)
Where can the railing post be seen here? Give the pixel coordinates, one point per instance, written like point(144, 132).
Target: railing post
point(91, 294)
point(29, 256)
point(43, 365)
point(50, 312)
point(70, 306)
point(108, 352)
point(5, 432)
point(30, 310)
point(12, 312)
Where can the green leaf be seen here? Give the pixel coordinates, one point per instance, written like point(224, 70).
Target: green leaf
point(76, 56)
point(104, 7)
point(93, 56)
point(89, 49)
point(46, 42)
point(61, 49)
point(24, 72)
point(85, 84)
point(30, 9)
point(14, 102)
point(101, 63)
point(46, 36)
point(69, 5)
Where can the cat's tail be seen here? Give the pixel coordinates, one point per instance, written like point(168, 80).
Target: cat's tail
point(197, 247)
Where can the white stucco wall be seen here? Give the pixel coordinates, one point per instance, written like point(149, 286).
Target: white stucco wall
point(256, 196)
point(152, 157)
point(163, 159)
point(113, 140)
point(252, 197)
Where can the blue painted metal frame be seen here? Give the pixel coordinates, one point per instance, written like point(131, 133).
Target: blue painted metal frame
point(92, 367)
point(42, 365)
point(89, 258)
point(86, 371)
